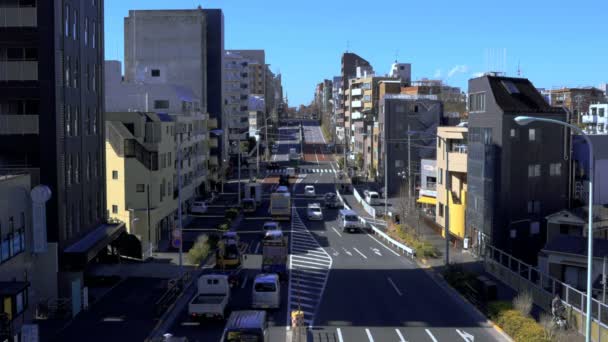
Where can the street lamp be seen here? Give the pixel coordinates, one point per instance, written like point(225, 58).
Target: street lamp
point(524, 120)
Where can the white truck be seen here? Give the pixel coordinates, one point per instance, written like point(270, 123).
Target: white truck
point(293, 154)
point(280, 206)
point(212, 297)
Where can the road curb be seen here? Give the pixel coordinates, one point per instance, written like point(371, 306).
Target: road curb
point(453, 292)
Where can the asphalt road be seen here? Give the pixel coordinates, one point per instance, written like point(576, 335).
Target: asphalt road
point(352, 287)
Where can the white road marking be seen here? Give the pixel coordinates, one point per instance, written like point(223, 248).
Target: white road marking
point(430, 335)
point(369, 335)
point(347, 252)
point(317, 181)
point(402, 339)
point(337, 232)
point(299, 261)
point(385, 246)
point(339, 335)
point(363, 255)
point(465, 335)
point(394, 286)
point(257, 248)
point(244, 282)
point(376, 250)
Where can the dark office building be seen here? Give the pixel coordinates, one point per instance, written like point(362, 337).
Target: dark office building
point(215, 68)
point(517, 175)
point(51, 120)
point(399, 114)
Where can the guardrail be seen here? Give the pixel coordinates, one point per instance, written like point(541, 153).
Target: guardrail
point(368, 208)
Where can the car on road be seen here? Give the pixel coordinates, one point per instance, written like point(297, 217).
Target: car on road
point(199, 207)
point(270, 225)
point(331, 200)
point(266, 292)
point(309, 190)
point(212, 297)
point(371, 197)
point(282, 189)
point(293, 154)
point(249, 205)
point(246, 325)
point(348, 221)
point(314, 211)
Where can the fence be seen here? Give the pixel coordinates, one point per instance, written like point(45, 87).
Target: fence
point(543, 288)
point(368, 208)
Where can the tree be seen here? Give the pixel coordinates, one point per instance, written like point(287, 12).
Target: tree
point(359, 161)
point(199, 251)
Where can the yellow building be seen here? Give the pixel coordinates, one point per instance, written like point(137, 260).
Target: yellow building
point(141, 171)
point(454, 140)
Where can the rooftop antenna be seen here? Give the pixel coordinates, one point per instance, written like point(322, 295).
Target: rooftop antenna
point(347, 45)
point(396, 55)
point(518, 69)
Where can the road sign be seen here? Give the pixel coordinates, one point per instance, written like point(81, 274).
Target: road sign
point(176, 233)
point(176, 242)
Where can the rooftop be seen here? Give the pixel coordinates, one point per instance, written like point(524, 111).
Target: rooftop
point(518, 95)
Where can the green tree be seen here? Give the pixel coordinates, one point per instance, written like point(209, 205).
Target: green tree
point(199, 250)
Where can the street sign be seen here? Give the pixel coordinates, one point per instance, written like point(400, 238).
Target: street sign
point(176, 233)
point(176, 242)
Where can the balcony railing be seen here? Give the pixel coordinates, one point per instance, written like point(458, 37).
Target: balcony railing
point(18, 124)
point(459, 148)
point(18, 17)
point(18, 70)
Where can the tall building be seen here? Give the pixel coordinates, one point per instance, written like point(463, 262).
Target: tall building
point(337, 110)
point(402, 71)
point(399, 114)
point(236, 97)
point(215, 70)
point(52, 114)
point(516, 175)
point(349, 63)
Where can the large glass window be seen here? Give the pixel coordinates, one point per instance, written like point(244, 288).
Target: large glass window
point(86, 31)
point(75, 25)
point(66, 21)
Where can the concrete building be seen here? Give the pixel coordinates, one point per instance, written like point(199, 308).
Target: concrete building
point(452, 140)
point(146, 126)
point(580, 170)
point(52, 113)
point(28, 264)
point(427, 195)
point(337, 117)
point(402, 71)
point(595, 121)
point(349, 63)
point(399, 114)
point(215, 80)
point(172, 47)
point(236, 96)
point(516, 175)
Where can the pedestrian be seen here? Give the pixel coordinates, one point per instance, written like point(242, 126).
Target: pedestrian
point(556, 306)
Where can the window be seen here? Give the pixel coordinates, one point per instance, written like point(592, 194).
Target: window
point(86, 31)
point(155, 73)
point(440, 174)
point(477, 102)
point(531, 134)
point(510, 87)
point(75, 75)
point(76, 120)
point(533, 207)
point(66, 70)
point(601, 112)
point(93, 33)
point(161, 104)
point(94, 123)
point(66, 21)
point(114, 209)
point(513, 133)
point(94, 77)
point(77, 169)
point(68, 121)
point(139, 187)
point(555, 169)
point(114, 174)
point(68, 172)
point(533, 170)
point(88, 167)
point(75, 26)
point(87, 121)
point(534, 228)
point(440, 209)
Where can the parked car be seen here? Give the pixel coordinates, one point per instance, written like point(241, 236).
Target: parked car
point(266, 292)
point(314, 211)
point(309, 190)
point(198, 207)
point(246, 325)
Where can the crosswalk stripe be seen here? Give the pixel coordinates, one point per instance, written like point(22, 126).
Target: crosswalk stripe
point(299, 257)
point(318, 263)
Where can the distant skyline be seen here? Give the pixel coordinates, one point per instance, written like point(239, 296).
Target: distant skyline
point(554, 44)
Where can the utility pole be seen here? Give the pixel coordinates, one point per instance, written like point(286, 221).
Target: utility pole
point(384, 154)
point(179, 205)
point(604, 281)
point(239, 172)
point(448, 185)
point(409, 168)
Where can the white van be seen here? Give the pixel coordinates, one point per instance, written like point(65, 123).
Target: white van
point(372, 197)
point(266, 292)
point(349, 220)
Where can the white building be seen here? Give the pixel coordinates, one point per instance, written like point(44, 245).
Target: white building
point(402, 71)
point(596, 120)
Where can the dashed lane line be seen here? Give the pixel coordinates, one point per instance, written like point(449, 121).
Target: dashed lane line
point(363, 255)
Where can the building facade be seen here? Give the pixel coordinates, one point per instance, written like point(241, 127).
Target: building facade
point(348, 69)
point(236, 97)
point(516, 175)
point(576, 100)
point(451, 181)
point(595, 121)
point(52, 113)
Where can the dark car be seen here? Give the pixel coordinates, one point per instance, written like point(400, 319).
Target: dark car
point(331, 200)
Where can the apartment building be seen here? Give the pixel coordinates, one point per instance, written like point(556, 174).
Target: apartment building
point(28, 264)
point(399, 115)
point(451, 181)
point(51, 119)
point(149, 126)
point(349, 63)
point(236, 96)
point(516, 175)
point(595, 121)
point(576, 100)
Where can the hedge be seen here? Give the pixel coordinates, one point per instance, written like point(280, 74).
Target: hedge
point(516, 325)
point(423, 248)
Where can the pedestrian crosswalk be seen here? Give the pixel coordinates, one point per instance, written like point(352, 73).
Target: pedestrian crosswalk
point(309, 266)
point(284, 171)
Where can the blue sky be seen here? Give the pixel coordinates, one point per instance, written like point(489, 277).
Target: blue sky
point(556, 42)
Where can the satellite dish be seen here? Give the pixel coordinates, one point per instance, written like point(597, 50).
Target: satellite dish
point(41, 194)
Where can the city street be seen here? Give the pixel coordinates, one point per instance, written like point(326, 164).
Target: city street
point(351, 286)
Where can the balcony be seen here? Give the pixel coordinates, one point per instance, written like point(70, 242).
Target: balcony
point(212, 124)
point(356, 92)
point(356, 104)
point(18, 17)
point(18, 70)
point(18, 124)
point(589, 119)
point(457, 162)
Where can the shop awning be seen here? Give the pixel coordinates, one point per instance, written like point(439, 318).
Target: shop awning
point(427, 200)
point(84, 250)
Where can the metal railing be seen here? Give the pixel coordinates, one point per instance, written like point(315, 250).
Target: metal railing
point(543, 288)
